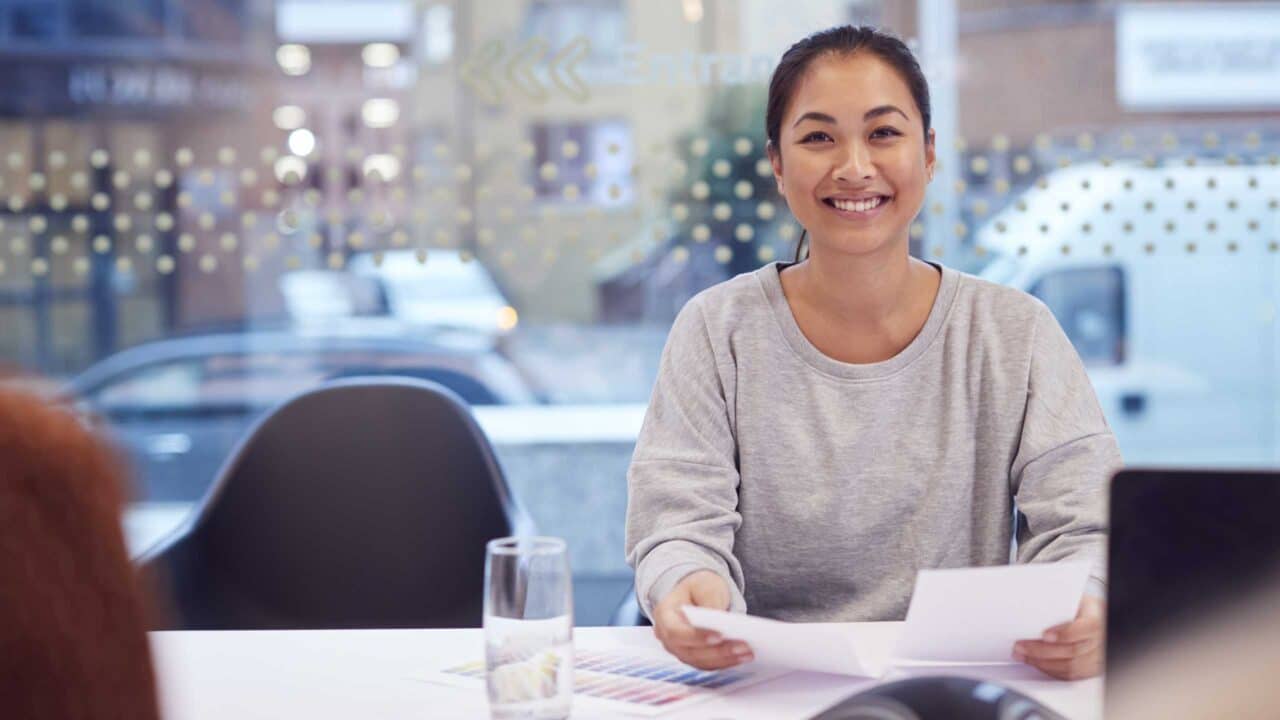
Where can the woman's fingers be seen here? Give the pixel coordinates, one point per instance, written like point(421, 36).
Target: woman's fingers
point(1082, 628)
point(1026, 650)
point(1065, 661)
point(1074, 668)
point(714, 657)
point(1072, 650)
point(703, 649)
point(672, 626)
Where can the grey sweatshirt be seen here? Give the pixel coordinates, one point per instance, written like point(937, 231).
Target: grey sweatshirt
point(817, 488)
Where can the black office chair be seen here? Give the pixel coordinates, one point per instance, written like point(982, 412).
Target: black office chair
point(628, 612)
point(364, 503)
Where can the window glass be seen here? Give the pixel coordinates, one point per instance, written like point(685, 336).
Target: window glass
point(1089, 305)
point(118, 18)
point(583, 162)
point(218, 21)
point(516, 198)
point(34, 20)
point(165, 384)
point(599, 24)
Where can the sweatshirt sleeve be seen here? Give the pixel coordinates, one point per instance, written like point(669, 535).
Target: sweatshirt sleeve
point(682, 485)
point(1065, 458)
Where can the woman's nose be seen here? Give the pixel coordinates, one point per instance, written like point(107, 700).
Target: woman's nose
point(855, 163)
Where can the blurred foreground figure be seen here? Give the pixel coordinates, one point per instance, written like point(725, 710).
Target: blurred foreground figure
point(1219, 666)
point(72, 627)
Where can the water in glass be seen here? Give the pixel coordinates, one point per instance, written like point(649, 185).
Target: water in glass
point(528, 629)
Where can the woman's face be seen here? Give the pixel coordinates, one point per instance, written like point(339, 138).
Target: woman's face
point(852, 160)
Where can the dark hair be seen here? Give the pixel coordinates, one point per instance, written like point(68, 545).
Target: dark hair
point(842, 40)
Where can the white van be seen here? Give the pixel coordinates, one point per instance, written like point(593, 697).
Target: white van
point(1167, 281)
point(395, 292)
point(443, 289)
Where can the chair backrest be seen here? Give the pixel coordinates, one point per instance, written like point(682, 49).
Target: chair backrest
point(366, 502)
point(628, 612)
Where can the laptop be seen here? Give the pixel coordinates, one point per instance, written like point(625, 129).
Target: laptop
point(1185, 545)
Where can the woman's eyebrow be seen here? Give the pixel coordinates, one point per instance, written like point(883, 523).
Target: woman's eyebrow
point(820, 117)
point(874, 112)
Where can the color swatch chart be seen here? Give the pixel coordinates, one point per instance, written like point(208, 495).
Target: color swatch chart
point(641, 684)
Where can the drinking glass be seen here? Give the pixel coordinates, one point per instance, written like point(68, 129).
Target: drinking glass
point(528, 628)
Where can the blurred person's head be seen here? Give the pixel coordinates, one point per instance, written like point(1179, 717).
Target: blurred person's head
point(72, 619)
point(849, 138)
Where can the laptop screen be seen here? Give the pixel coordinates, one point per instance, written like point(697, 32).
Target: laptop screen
point(1184, 544)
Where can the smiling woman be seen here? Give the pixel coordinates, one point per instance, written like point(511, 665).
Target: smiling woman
point(821, 430)
point(854, 109)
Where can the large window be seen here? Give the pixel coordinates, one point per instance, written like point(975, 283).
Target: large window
point(208, 205)
point(118, 18)
point(583, 162)
point(1089, 304)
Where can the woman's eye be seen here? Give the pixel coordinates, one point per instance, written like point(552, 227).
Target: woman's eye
point(815, 136)
point(887, 131)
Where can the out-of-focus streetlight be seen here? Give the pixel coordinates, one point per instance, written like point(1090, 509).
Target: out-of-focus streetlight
point(294, 59)
point(301, 142)
point(289, 117)
point(380, 112)
point(380, 55)
point(290, 169)
point(382, 167)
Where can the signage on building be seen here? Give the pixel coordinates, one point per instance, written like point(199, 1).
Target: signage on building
point(154, 87)
point(1210, 56)
point(54, 87)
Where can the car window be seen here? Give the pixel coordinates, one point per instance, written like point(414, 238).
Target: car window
point(263, 379)
point(1089, 304)
point(258, 378)
point(471, 390)
point(162, 384)
point(216, 381)
point(453, 373)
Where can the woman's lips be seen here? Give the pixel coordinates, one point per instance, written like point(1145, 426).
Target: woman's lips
point(855, 214)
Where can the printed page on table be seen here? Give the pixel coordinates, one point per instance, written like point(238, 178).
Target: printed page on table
point(630, 681)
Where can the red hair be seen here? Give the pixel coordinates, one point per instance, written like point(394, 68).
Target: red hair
point(72, 617)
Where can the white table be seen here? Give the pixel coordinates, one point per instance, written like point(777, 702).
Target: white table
point(381, 674)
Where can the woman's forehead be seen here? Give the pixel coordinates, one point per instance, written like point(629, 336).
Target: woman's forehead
point(846, 86)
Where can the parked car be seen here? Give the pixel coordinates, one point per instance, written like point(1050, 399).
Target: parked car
point(176, 407)
point(453, 300)
point(1167, 282)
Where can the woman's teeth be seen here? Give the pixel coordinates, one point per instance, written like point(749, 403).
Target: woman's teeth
point(856, 205)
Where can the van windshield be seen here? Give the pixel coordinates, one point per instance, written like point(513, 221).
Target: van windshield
point(442, 288)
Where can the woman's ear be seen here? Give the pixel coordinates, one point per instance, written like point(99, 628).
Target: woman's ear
point(775, 160)
point(930, 153)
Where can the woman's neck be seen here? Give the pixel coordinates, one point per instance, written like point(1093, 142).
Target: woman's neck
point(861, 309)
point(869, 291)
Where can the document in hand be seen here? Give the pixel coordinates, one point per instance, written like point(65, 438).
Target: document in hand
point(974, 615)
point(802, 646)
point(956, 616)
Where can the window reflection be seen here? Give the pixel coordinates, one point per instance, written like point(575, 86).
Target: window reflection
point(529, 190)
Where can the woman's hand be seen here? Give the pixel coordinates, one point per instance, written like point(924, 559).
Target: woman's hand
point(702, 649)
point(1071, 651)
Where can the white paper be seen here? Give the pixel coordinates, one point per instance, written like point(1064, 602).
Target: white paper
point(974, 615)
point(802, 646)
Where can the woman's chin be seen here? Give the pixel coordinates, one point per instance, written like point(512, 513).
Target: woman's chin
point(861, 244)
